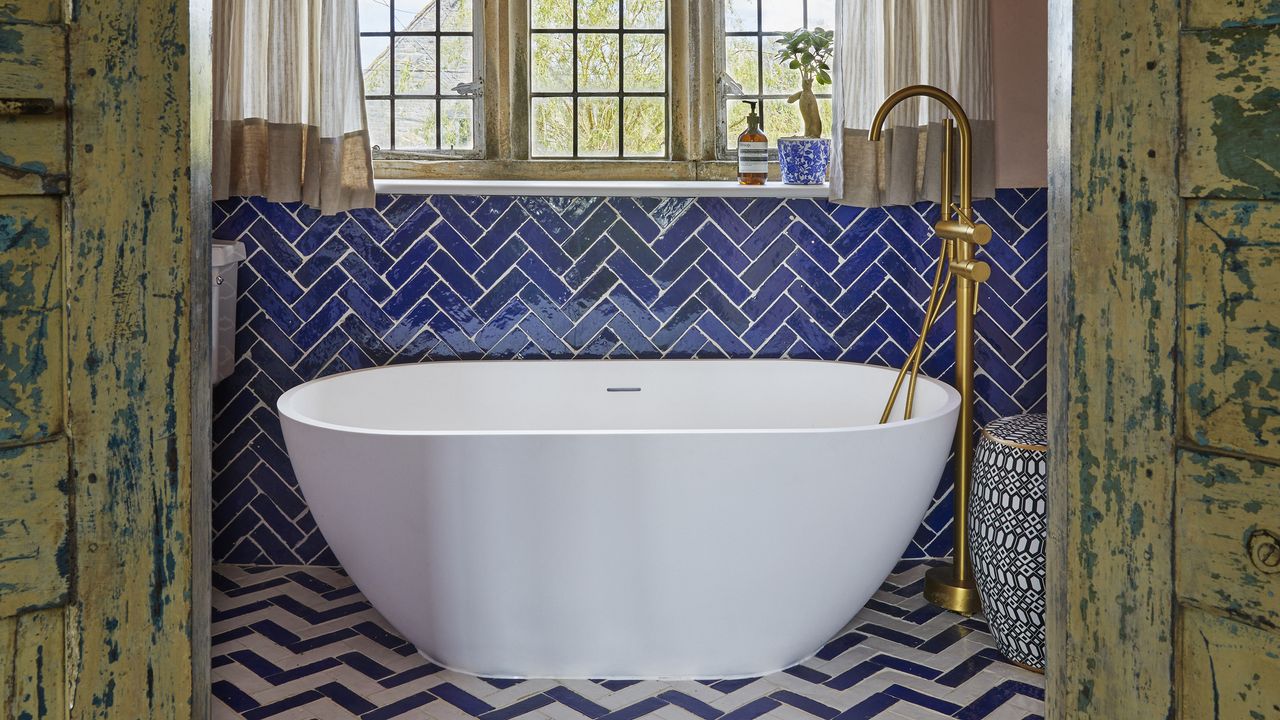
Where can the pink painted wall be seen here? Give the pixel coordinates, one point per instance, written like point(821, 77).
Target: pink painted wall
point(1020, 60)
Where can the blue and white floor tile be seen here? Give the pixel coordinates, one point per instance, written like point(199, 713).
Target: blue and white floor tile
point(302, 643)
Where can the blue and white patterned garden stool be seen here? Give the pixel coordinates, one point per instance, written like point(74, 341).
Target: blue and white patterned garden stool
point(1007, 530)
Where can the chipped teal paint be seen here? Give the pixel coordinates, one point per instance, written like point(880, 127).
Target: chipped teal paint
point(11, 43)
point(9, 165)
point(1248, 142)
point(1270, 15)
point(24, 359)
point(27, 364)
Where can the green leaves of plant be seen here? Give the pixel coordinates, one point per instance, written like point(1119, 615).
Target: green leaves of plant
point(808, 51)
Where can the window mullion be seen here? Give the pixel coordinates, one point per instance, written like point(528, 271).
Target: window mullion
point(682, 80)
point(514, 57)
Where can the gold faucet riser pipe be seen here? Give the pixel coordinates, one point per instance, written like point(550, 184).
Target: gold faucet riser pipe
point(964, 450)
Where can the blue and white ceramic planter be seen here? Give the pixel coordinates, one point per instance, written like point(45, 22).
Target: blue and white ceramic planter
point(804, 161)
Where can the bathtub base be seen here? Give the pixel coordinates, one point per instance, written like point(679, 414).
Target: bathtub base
point(598, 676)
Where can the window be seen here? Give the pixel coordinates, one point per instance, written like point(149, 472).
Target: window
point(589, 89)
point(598, 78)
point(751, 30)
point(415, 54)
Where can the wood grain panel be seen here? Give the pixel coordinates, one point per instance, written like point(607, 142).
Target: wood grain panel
point(31, 377)
point(33, 61)
point(8, 640)
point(129, 263)
point(1231, 113)
point(1229, 671)
point(35, 561)
point(33, 153)
point(1230, 13)
point(1113, 311)
point(33, 11)
point(1221, 502)
point(1231, 328)
point(33, 671)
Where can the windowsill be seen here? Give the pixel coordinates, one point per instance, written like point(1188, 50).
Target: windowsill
point(599, 188)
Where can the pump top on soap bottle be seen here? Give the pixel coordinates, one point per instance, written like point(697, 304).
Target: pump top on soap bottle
point(753, 150)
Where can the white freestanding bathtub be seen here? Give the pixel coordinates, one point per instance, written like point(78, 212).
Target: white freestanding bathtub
point(617, 519)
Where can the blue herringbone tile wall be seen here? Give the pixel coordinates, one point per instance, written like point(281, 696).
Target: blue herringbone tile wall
point(459, 277)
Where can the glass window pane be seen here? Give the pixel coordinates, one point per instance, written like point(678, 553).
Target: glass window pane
point(597, 127)
point(598, 14)
point(415, 124)
point(375, 15)
point(822, 13)
point(457, 124)
point(781, 15)
point(824, 112)
point(551, 14)
point(415, 15)
point(740, 15)
point(644, 14)
point(778, 78)
point(646, 63)
point(742, 62)
point(375, 56)
point(552, 127)
point(598, 62)
point(781, 119)
point(379, 114)
point(416, 63)
point(644, 127)
point(455, 62)
point(551, 62)
point(415, 66)
point(585, 63)
point(455, 15)
point(735, 120)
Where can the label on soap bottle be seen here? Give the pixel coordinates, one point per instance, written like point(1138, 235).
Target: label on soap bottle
point(753, 157)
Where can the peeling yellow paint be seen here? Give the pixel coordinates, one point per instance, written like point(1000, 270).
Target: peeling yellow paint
point(96, 318)
point(1229, 671)
point(1140, 98)
point(1231, 327)
point(1231, 111)
point(1221, 502)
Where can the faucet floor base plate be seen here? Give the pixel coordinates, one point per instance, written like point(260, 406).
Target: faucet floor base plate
point(941, 589)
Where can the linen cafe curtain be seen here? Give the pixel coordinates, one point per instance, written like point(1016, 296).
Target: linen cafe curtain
point(883, 46)
point(289, 121)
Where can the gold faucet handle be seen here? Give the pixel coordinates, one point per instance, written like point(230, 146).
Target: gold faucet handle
point(974, 270)
point(961, 229)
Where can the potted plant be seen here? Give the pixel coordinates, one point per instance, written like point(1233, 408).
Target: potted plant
point(804, 160)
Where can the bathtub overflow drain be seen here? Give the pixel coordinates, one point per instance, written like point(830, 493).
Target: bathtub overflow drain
point(623, 389)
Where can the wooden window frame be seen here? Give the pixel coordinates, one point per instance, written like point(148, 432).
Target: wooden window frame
point(697, 119)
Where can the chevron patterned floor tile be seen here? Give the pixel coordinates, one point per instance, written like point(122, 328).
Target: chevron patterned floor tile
point(303, 643)
point(422, 278)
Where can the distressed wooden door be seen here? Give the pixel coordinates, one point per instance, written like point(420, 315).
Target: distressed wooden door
point(1164, 562)
point(101, 262)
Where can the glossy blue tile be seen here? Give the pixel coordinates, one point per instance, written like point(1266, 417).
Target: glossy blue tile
point(423, 278)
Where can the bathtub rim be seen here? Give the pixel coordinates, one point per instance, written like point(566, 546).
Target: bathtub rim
point(286, 408)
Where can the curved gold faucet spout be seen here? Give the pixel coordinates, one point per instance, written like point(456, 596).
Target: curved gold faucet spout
point(962, 124)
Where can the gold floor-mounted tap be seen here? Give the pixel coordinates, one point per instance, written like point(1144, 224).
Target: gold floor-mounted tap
point(951, 587)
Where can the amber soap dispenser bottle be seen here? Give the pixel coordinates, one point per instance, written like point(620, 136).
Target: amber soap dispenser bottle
point(753, 151)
